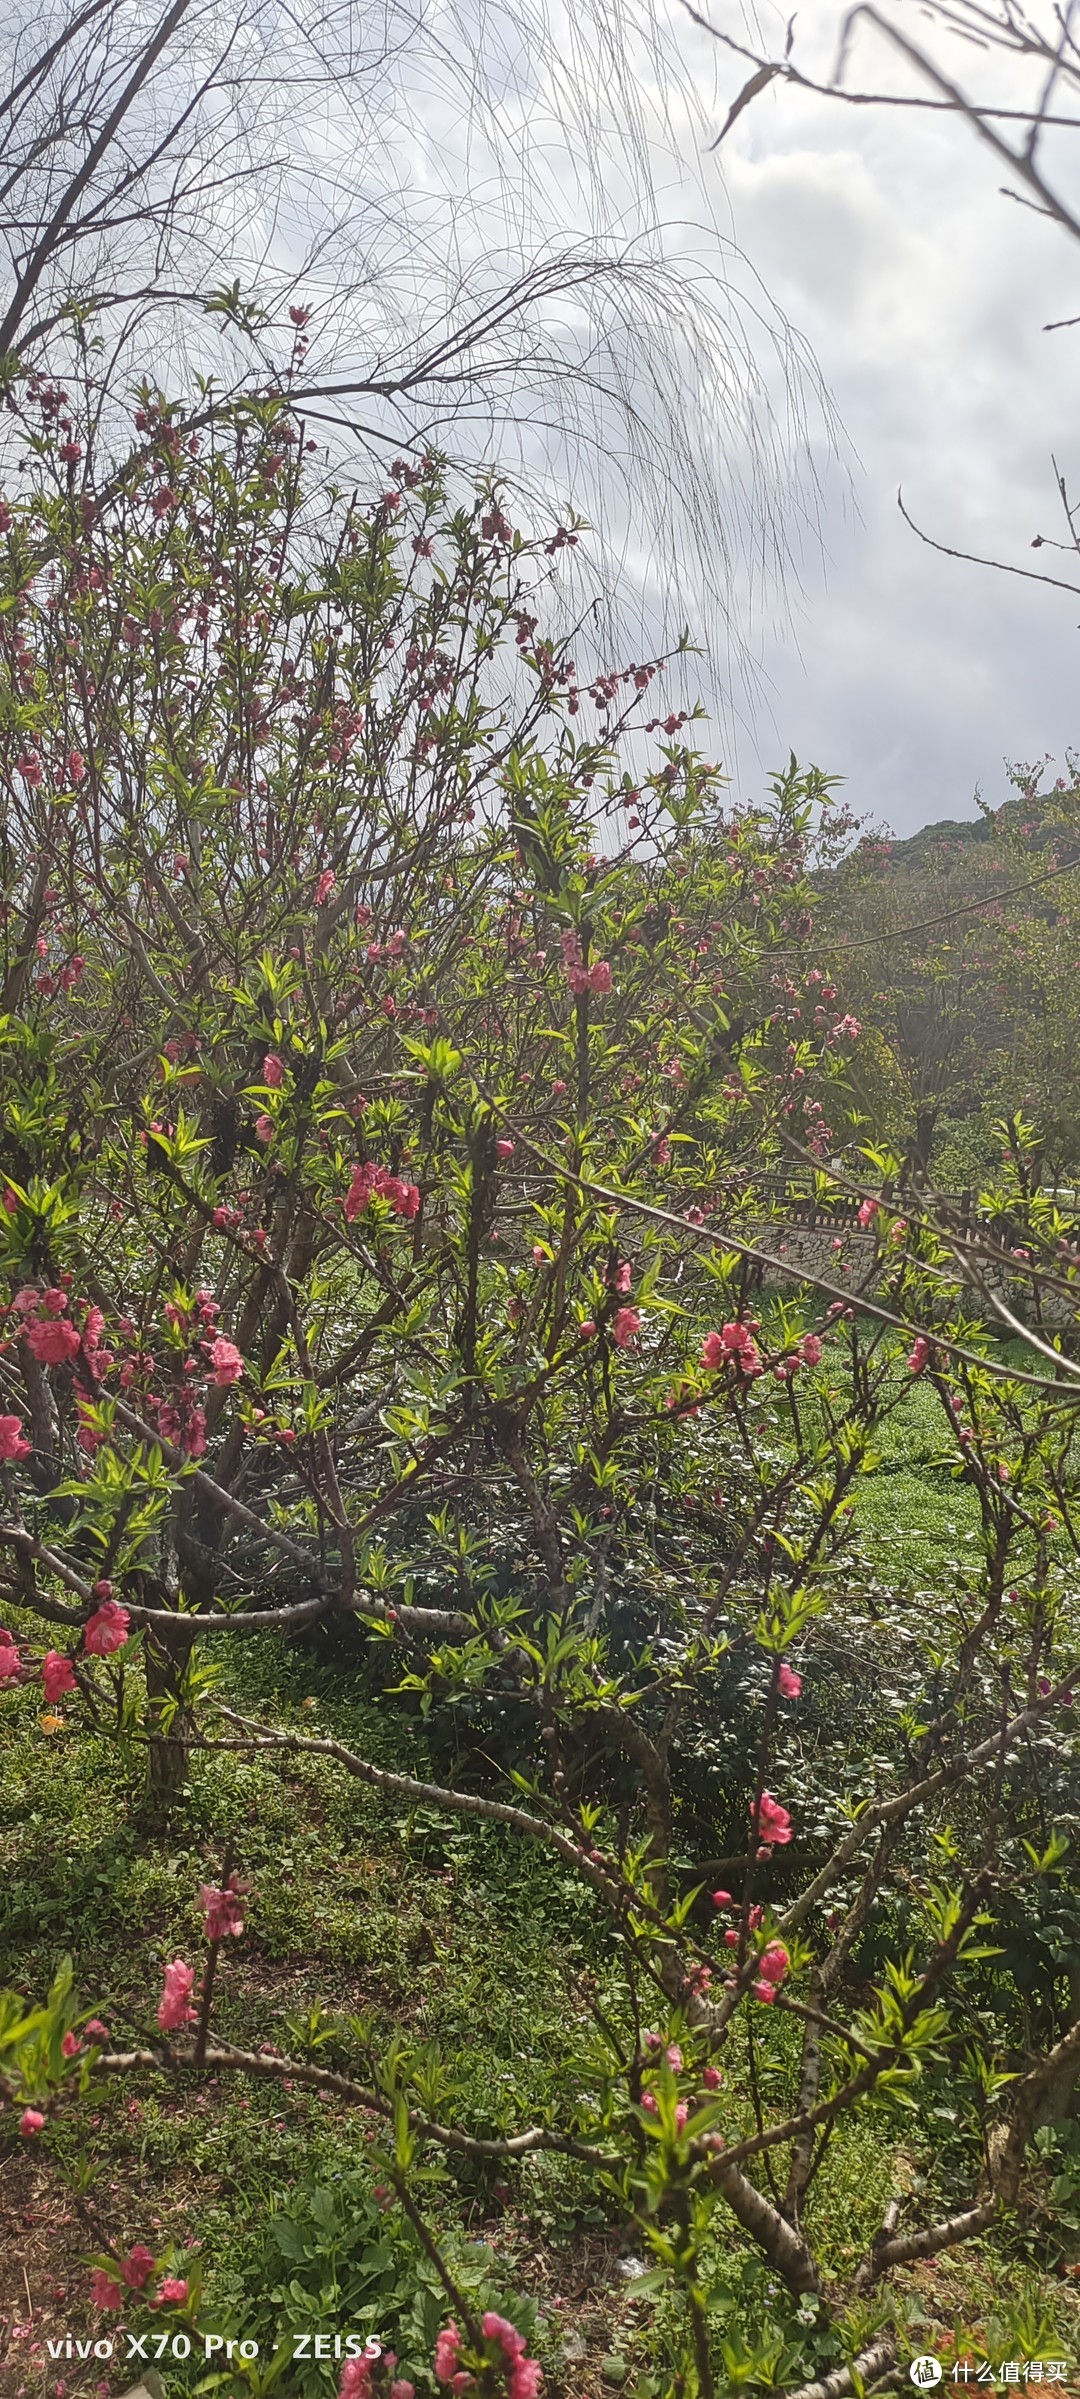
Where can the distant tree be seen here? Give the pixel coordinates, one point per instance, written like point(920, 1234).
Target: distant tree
point(915, 946)
point(1039, 838)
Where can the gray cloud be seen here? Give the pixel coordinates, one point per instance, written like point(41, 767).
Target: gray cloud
point(924, 293)
point(884, 241)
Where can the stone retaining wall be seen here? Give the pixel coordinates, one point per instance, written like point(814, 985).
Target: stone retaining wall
point(842, 1255)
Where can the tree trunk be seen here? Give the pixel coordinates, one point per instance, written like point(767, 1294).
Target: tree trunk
point(166, 1654)
point(925, 1121)
point(1059, 2098)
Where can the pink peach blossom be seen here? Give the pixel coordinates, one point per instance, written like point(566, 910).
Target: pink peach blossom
point(107, 1629)
point(223, 1909)
point(375, 1182)
point(355, 2379)
point(13, 1443)
point(226, 1361)
point(52, 1341)
point(137, 2269)
point(498, 2328)
point(447, 2352)
point(56, 1675)
point(774, 1823)
point(174, 2008)
point(735, 1341)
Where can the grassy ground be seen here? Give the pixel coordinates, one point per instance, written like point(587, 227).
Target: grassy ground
point(440, 1932)
point(915, 1519)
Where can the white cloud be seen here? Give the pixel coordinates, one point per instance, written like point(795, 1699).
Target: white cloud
point(924, 293)
point(884, 239)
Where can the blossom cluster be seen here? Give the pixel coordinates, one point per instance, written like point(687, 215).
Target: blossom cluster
point(174, 2007)
point(134, 2274)
point(105, 1631)
point(772, 1824)
point(223, 1908)
point(773, 1962)
point(506, 2350)
point(45, 1324)
point(734, 1342)
point(375, 1182)
point(581, 978)
point(368, 2378)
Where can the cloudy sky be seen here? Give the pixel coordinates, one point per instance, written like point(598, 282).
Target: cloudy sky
point(924, 294)
point(496, 135)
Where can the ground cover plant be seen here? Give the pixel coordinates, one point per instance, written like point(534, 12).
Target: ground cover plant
point(400, 1026)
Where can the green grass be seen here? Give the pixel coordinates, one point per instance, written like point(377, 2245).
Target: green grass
point(438, 1930)
point(916, 1515)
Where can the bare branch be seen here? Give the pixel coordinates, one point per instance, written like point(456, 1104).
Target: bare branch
point(866, 2367)
point(268, 2066)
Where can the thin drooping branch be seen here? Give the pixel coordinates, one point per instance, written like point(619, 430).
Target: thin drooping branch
point(175, 184)
point(1001, 566)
